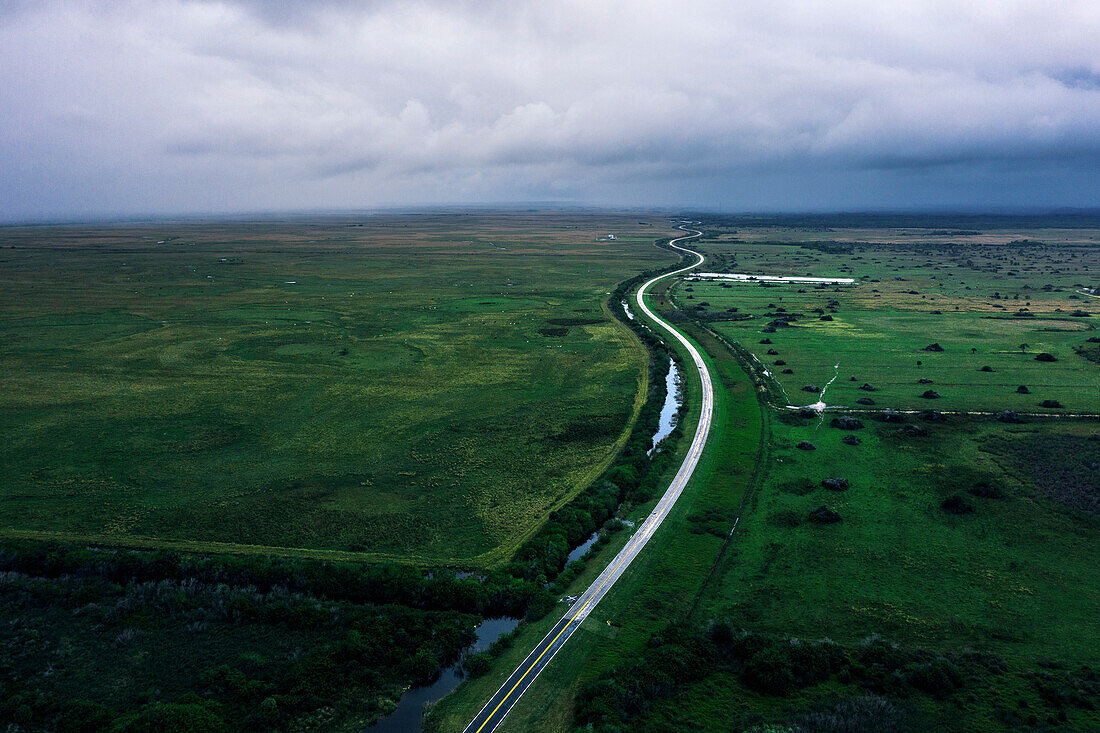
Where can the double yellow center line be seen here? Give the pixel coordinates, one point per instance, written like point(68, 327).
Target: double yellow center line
point(607, 576)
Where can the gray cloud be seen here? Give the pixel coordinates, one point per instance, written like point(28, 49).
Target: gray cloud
point(168, 105)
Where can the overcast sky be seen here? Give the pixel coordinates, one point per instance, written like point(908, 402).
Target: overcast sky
point(164, 106)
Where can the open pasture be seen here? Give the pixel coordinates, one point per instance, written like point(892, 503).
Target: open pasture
point(974, 541)
point(420, 387)
point(992, 301)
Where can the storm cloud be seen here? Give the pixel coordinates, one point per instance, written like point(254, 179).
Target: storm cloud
point(164, 106)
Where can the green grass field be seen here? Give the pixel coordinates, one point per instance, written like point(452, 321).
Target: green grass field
point(987, 302)
point(418, 387)
point(1003, 587)
point(1015, 579)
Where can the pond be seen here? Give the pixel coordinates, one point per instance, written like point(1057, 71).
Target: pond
point(673, 397)
point(579, 551)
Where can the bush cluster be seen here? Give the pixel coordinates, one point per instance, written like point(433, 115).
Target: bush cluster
point(768, 664)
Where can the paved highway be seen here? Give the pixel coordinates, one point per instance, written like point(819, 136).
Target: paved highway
point(509, 693)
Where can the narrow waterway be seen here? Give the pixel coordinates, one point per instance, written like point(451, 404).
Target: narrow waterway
point(407, 718)
point(579, 551)
point(673, 396)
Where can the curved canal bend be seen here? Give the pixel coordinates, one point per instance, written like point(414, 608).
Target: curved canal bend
point(517, 683)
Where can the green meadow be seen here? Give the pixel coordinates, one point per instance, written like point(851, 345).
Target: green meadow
point(972, 546)
point(948, 583)
point(991, 302)
point(418, 388)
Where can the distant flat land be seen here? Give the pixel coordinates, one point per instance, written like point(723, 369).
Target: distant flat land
point(991, 300)
point(419, 387)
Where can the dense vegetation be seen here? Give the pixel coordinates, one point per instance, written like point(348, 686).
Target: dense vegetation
point(875, 684)
point(262, 642)
point(102, 640)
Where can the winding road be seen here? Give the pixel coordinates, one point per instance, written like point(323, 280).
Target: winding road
point(517, 683)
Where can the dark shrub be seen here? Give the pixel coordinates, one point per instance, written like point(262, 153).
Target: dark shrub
point(780, 362)
point(765, 341)
point(806, 445)
point(866, 387)
point(1045, 357)
point(1009, 416)
point(876, 651)
point(824, 515)
point(930, 394)
point(940, 677)
point(846, 423)
point(787, 371)
point(770, 670)
point(955, 504)
point(477, 665)
point(912, 431)
point(854, 715)
point(773, 352)
point(889, 415)
point(986, 490)
point(83, 716)
point(788, 518)
point(850, 440)
point(1063, 688)
point(924, 380)
point(1050, 404)
point(825, 318)
point(933, 347)
point(811, 388)
point(422, 668)
point(835, 484)
point(171, 718)
point(986, 369)
point(1022, 389)
point(865, 401)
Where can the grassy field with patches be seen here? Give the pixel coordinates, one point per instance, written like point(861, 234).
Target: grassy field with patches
point(952, 574)
point(420, 387)
point(1011, 572)
point(991, 301)
point(958, 543)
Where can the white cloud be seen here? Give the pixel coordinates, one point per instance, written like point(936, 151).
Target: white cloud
point(168, 105)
